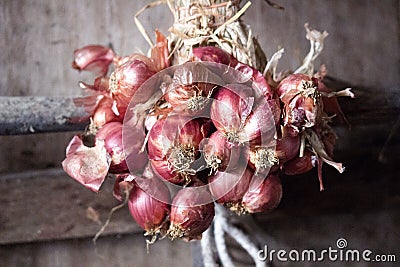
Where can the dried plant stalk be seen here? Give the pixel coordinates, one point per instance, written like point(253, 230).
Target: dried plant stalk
point(216, 23)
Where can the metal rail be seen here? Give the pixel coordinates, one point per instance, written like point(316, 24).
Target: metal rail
point(27, 115)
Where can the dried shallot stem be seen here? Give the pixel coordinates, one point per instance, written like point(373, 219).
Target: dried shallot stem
point(273, 63)
point(181, 159)
point(213, 22)
point(264, 158)
point(114, 209)
point(316, 39)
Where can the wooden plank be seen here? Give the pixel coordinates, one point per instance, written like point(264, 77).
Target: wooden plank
point(46, 205)
point(114, 250)
point(357, 206)
point(50, 205)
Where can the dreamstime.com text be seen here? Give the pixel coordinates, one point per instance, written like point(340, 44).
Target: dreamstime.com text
point(340, 253)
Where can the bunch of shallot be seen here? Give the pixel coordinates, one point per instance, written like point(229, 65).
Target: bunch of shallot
point(180, 139)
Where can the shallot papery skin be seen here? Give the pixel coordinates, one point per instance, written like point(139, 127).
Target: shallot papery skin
point(264, 197)
point(93, 58)
point(123, 184)
point(160, 53)
point(192, 212)
point(301, 99)
point(87, 165)
point(133, 140)
point(149, 208)
point(230, 186)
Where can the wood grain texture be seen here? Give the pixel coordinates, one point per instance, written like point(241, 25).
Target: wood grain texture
point(115, 250)
point(47, 205)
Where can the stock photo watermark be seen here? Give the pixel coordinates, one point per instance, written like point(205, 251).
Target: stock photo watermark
point(339, 253)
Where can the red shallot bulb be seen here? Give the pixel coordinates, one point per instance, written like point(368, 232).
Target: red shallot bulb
point(287, 147)
point(211, 54)
point(259, 83)
point(263, 197)
point(230, 186)
point(239, 118)
point(300, 165)
point(173, 145)
point(87, 165)
point(94, 58)
point(264, 157)
point(126, 80)
point(105, 112)
point(302, 101)
point(230, 109)
point(148, 204)
point(111, 134)
point(260, 125)
point(192, 212)
point(218, 153)
point(190, 88)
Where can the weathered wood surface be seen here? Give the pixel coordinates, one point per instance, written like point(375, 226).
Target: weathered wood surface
point(116, 250)
point(357, 205)
point(47, 205)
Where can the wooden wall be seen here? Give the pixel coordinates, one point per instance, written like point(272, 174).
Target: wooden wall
point(37, 39)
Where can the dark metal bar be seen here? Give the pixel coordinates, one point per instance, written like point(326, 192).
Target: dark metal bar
point(27, 115)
